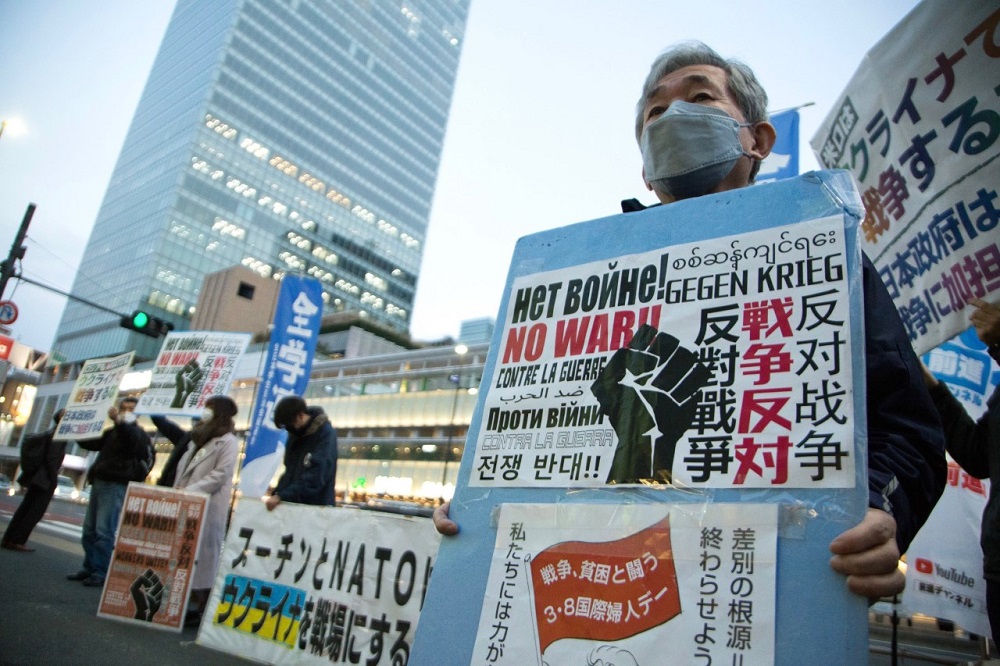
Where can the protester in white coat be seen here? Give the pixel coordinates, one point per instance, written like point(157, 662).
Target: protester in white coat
point(207, 467)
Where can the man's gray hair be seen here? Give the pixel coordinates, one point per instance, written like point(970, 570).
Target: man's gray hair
point(743, 85)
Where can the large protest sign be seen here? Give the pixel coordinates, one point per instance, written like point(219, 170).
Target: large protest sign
point(154, 557)
point(610, 581)
point(767, 308)
point(945, 561)
point(191, 367)
point(306, 584)
point(918, 126)
point(672, 378)
point(297, 318)
point(95, 390)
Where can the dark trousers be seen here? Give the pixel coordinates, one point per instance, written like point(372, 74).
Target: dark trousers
point(993, 609)
point(32, 508)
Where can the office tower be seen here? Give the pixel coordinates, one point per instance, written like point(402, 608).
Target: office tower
point(283, 136)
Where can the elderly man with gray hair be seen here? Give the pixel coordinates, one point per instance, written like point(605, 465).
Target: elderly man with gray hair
point(702, 127)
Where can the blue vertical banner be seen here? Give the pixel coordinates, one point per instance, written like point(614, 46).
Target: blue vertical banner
point(783, 162)
point(286, 372)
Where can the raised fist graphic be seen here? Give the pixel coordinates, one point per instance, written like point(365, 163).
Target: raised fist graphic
point(648, 391)
point(147, 593)
point(188, 378)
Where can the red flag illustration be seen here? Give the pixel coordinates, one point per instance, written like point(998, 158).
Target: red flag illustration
point(605, 591)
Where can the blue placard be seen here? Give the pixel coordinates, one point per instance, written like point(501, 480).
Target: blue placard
point(576, 302)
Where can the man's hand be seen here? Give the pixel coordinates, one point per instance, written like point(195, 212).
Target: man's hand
point(271, 501)
point(442, 523)
point(648, 392)
point(113, 413)
point(986, 319)
point(868, 555)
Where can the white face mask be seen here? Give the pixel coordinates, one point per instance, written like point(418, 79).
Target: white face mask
point(207, 415)
point(126, 417)
point(689, 149)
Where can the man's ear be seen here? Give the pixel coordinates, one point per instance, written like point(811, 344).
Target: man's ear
point(648, 186)
point(763, 139)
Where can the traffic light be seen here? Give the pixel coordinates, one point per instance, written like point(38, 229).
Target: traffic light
point(143, 322)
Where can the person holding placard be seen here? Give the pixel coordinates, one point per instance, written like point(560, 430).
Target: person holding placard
point(975, 445)
point(121, 452)
point(207, 466)
point(701, 123)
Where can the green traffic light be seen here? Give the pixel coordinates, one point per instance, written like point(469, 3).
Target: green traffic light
point(140, 320)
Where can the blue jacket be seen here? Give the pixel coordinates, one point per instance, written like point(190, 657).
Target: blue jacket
point(906, 463)
point(310, 463)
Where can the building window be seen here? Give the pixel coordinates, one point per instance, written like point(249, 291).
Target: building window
point(245, 291)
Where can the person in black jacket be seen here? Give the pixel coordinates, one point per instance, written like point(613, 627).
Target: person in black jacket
point(120, 448)
point(180, 438)
point(975, 445)
point(310, 455)
point(41, 458)
point(701, 123)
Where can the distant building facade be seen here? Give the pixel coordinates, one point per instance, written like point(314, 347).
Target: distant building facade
point(477, 330)
point(235, 299)
point(283, 136)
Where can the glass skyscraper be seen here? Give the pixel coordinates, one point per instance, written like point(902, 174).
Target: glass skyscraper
point(284, 135)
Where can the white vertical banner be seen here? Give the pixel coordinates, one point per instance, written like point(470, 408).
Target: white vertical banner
point(944, 574)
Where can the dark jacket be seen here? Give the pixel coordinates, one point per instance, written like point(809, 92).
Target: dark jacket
point(41, 458)
point(180, 438)
point(906, 463)
point(975, 445)
point(119, 446)
point(310, 463)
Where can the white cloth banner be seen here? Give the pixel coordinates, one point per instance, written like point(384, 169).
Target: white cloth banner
point(315, 585)
point(918, 126)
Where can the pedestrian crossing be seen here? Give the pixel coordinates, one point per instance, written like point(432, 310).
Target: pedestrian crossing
point(60, 528)
point(49, 526)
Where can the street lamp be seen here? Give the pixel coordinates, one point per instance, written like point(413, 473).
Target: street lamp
point(12, 125)
point(461, 350)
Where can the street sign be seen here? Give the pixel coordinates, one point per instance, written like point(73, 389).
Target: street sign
point(8, 312)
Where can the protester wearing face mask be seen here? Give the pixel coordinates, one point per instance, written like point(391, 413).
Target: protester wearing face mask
point(207, 466)
point(120, 451)
point(702, 128)
point(310, 455)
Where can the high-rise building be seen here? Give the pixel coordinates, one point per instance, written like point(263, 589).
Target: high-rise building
point(281, 135)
